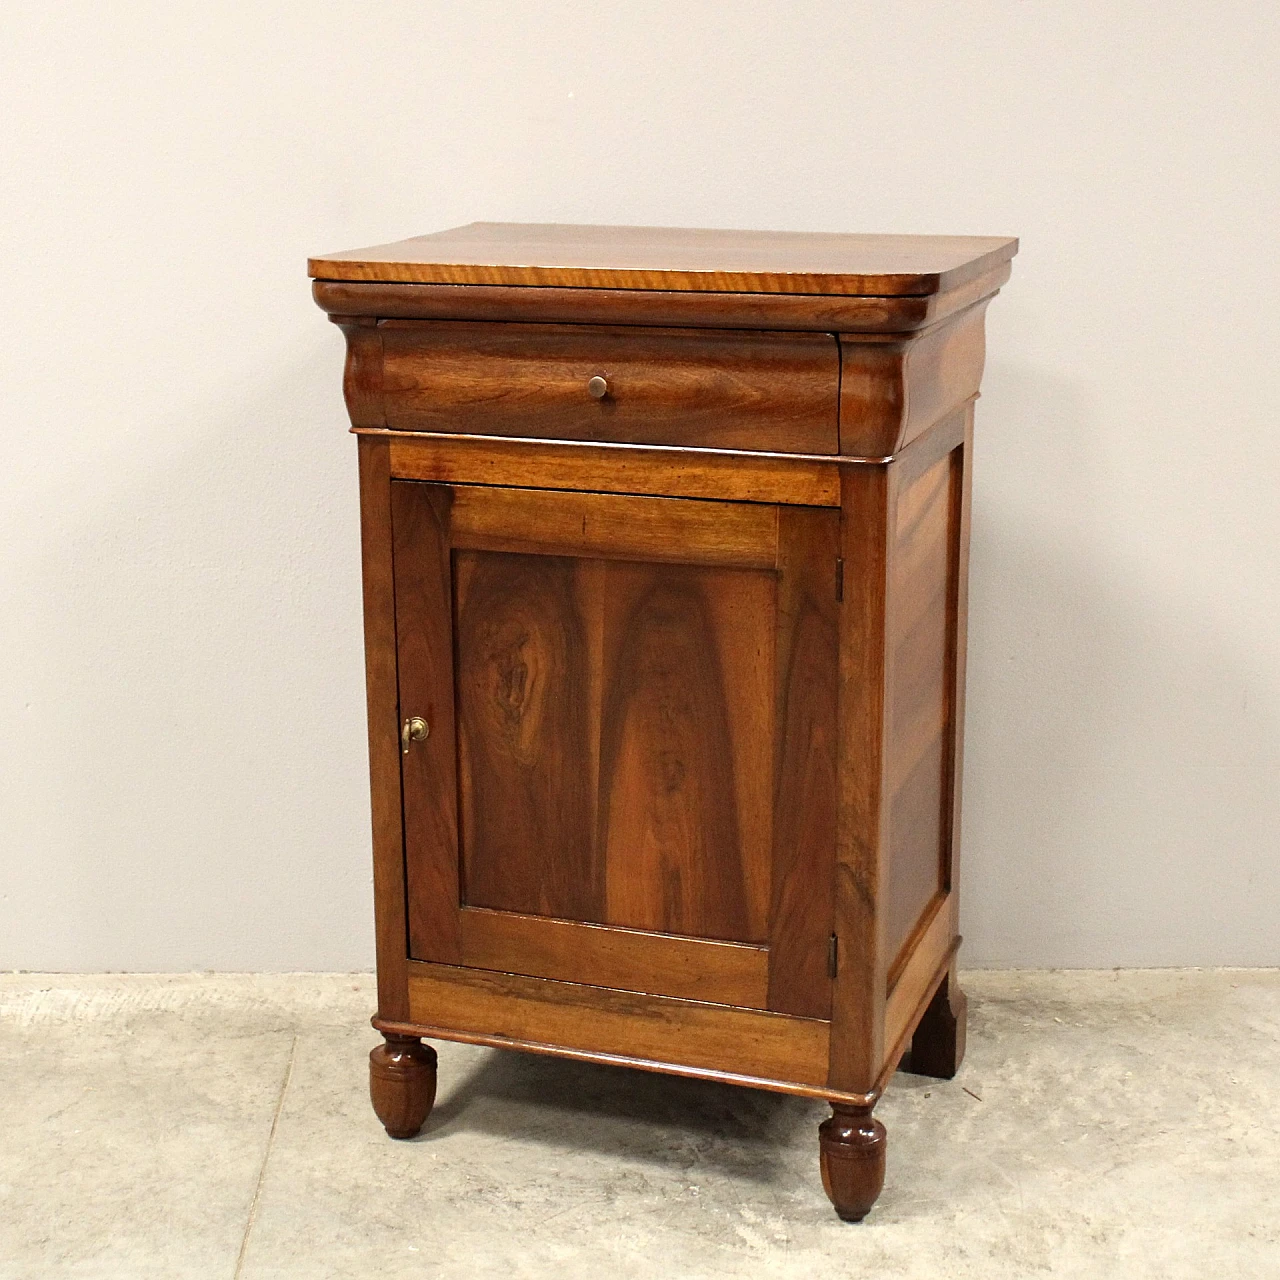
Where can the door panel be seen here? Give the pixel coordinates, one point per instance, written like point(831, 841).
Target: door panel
point(526, 667)
point(544, 947)
point(685, 769)
point(424, 661)
point(622, 713)
point(804, 814)
point(653, 530)
point(644, 692)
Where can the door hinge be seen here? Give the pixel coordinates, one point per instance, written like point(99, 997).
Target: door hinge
point(833, 956)
point(839, 579)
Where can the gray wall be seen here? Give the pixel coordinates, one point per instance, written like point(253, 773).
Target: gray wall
point(182, 750)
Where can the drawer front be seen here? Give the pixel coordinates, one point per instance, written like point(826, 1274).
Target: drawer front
point(777, 392)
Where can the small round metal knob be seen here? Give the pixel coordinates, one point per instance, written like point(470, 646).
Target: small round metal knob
point(598, 387)
point(414, 729)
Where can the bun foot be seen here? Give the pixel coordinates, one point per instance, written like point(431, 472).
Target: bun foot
point(402, 1084)
point(852, 1146)
point(937, 1048)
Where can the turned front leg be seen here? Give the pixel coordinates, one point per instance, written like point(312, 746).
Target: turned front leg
point(852, 1146)
point(402, 1084)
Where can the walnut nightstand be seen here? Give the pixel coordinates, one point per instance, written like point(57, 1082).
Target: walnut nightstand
point(665, 554)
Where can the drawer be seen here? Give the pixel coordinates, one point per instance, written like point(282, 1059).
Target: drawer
point(727, 389)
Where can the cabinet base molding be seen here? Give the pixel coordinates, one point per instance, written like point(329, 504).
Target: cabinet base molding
point(819, 1092)
point(685, 1036)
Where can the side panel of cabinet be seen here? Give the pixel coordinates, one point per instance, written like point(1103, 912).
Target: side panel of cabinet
point(901, 680)
point(924, 587)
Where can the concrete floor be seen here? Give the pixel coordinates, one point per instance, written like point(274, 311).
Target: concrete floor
point(1105, 1124)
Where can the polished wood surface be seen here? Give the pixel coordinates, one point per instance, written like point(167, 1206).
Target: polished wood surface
point(644, 696)
point(857, 1032)
point(561, 736)
point(806, 644)
point(595, 257)
point(893, 390)
point(900, 640)
point(402, 1084)
point(818, 313)
point(742, 1042)
point(686, 750)
point(918, 765)
point(362, 373)
point(687, 657)
point(712, 388)
point(608, 526)
point(852, 1151)
point(687, 968)
point(913, 980)
point(423, 643)
point(383, 722)
point(605, 468)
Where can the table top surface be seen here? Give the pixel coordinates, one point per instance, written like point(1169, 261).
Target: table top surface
point(675, 258)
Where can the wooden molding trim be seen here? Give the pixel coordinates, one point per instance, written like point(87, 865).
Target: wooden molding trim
point(616, 468)
point(728, 973)
point(826, 313)
point(893, 392)
point(618, 1025)
point(919, 976)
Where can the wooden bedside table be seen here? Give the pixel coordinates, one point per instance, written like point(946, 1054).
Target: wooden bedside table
point(665, 555)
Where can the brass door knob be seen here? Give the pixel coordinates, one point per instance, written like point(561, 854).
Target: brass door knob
point(414, 729)
point(598, 387)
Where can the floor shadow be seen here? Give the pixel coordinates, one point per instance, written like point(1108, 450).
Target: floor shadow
point(663, 1120)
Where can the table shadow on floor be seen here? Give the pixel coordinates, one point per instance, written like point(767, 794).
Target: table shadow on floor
point(663, 1120)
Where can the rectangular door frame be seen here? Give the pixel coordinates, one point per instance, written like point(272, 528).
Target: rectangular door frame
point(800, 545)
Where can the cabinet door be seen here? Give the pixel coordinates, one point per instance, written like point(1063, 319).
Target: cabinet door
point(629, 776)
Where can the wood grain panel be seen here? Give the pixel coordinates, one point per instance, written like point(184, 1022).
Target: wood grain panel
point(628, 729)
point(674, 258)
point(920, 972)
point(919, 746)
point(615, 735)
point(686, 734)
point(944, 370)
point(804, 811)
point(865, 683)
point(892, 392)
point(526, 794)
point(686, 968)
point(538, 1010)
point(827, 313)
point(384, 745)
point(643, 469)
point(362, 373)
point(424, 649)
point(725, 389)
point(625, 528)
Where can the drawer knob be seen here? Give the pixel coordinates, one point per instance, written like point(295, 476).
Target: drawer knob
point(414, 729)
point(598, 387)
